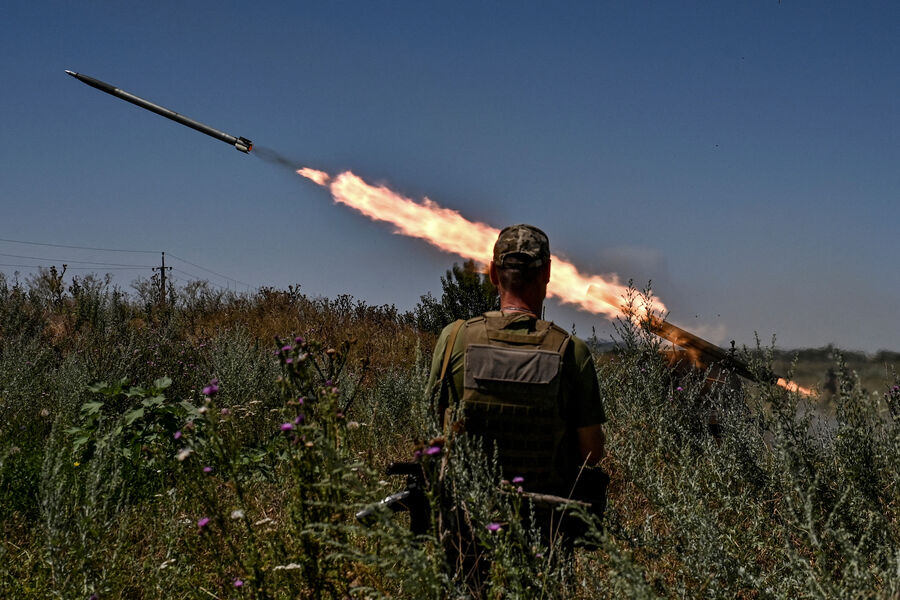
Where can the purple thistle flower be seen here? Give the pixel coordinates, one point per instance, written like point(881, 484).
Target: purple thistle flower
point(225, 412)
point(177, 435)
point(518, 479)
point(207, 469)
point(287, 426)
point(299, 419)
point(301, 400)
point(238, 583)
point(288, 361)
point(493, 527)
point(212, 389)
point(286, 348)
point(679, 389)
point(329, 383)
point(298, 340)
point(432, 450)
point(203, 522)
point(93, 597)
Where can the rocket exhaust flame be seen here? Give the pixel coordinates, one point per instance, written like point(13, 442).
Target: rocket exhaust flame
point(793, 387)
point(320, 177)
point(450, 231)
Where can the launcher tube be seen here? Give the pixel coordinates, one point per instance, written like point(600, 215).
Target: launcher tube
point(702, 348)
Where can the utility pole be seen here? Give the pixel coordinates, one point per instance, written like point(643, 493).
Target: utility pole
point(162, 279)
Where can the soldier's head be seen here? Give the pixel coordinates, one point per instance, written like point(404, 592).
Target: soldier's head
point(521, 263)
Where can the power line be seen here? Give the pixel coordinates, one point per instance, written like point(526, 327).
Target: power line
point(197, 278)
point(72, 268)
point(111, 265)
point(83, 262)
point(191, 275)
point(78, 247)
point(209, 270)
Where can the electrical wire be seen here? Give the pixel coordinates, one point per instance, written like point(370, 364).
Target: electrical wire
point(210, 271)
point(111, 266)
point(74, 268)
point(83, 262)
point(79, 247)
point(195, 278)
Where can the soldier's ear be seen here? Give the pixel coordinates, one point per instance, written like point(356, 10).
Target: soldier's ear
point(546, 273)
point(492, 271)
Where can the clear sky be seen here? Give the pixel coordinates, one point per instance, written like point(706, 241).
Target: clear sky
point(744, 156)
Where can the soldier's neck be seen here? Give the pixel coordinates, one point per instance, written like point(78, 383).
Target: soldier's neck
point(510, 302)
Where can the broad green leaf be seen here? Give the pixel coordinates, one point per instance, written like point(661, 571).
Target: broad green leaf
point(134, 415)
point(188, 407)
point(154, 401)
point(162, 383)
point(80, 441)
point(135, 390)
point(91, 408)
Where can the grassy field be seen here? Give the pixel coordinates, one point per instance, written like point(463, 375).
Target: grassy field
point(186, 453)
point(816, 368)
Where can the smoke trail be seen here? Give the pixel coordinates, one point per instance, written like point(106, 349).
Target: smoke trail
point(274, 157)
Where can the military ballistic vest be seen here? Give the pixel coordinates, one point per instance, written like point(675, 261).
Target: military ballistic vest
point(512, 394)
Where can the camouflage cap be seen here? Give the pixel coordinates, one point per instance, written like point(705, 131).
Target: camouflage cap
point(521, 246)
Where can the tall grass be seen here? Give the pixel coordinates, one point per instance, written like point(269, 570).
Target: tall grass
point(126, 472)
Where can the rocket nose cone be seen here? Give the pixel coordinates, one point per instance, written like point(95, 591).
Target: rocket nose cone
point(72, 73)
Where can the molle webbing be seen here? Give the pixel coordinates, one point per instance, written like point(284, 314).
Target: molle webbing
point(511, 393)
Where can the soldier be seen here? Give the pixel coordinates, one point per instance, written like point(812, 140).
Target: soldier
point(524, 384)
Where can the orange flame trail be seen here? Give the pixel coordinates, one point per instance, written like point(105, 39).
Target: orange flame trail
point(793, 387)
point(450, 231)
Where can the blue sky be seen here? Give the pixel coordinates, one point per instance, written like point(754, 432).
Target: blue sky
point(742, 156)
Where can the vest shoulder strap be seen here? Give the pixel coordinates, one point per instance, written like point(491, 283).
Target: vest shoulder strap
point(451, 341)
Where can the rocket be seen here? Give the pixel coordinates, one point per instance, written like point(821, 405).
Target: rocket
point(241, 143)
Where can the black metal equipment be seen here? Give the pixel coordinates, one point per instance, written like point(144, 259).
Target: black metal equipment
point(411, 499)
